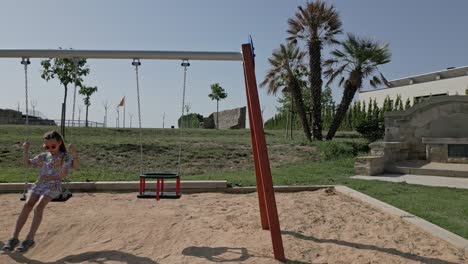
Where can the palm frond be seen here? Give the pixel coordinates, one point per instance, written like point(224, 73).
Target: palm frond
point(385, 81)
point(315, 21)
point(361, 55)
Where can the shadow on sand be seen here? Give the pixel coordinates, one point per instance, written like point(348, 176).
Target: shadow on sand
point(392, 251)
point(216, 254)
point(93, 256)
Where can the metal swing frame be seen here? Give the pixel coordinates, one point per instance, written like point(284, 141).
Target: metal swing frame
point(266, 196)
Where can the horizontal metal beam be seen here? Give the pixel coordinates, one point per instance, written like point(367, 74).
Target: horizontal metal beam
point(121, 54)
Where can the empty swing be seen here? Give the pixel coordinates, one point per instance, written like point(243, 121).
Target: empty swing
point(65, 194)
point(160, 192)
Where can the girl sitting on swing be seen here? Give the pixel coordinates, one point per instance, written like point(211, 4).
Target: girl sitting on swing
point(55, 164)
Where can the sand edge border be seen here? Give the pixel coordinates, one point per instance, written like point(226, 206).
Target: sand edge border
point(433, 229)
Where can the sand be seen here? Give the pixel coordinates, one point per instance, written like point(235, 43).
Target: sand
point(207, 228)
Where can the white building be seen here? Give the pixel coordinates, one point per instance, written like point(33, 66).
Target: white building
point(452, 81)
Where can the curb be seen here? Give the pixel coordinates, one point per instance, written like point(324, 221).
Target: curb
point(186, 187)
point(285, 189)
point(433, 229)
point(132, 186)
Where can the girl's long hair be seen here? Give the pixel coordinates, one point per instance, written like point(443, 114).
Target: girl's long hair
point(56, 135)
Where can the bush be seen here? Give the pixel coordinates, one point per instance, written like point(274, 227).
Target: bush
point(335, 149)
point(192, 120)
point(372, 129)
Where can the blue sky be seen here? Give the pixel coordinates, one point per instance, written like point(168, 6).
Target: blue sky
point(424, 36)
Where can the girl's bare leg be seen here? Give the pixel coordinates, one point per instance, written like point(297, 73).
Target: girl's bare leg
point(38, 212)
point(23, 217)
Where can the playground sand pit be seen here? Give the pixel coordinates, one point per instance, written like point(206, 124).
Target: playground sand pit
point(212, 227)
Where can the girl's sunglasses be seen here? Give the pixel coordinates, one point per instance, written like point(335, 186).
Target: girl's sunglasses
point(50, 147)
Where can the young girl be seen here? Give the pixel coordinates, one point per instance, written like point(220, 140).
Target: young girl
point(55, 164)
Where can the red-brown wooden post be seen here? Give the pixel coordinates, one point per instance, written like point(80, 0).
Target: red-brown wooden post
point(258, 177)
point(263, 162)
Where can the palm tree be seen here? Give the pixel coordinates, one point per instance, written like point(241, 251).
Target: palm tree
point(317, 24)
point(359, 59)
point(286, 66)
point(87, 91)
point(217, 93)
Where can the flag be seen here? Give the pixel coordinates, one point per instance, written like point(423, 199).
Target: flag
point(122, 102)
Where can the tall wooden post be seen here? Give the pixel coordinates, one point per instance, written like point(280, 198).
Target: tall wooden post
point(258, 177)
point(262, 162)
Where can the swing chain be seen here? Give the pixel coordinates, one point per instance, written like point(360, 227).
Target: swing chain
point(26, 62)
point(185, 63)
point(136, 62)
point(75, 64)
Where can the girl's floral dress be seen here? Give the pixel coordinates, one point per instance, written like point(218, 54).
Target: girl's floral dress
point(50, 166)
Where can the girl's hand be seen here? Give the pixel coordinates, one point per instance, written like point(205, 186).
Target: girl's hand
point(26, 146)
point(72, 150)
point(74, 153)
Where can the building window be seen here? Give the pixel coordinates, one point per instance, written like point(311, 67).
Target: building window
point(426, 97)
point(458, 151)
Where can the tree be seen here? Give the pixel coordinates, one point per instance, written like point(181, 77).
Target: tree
point(387, 105)
point(106, 106)
point(67, 71)
point(408, 103)
point(376, 113)
point(286, 66)
point(217, 93)
point(191, 120)
point(34, 104)
point(328, 106)
point(87, 91)
point(360, 58)
point(398, 104)
point(317, 24)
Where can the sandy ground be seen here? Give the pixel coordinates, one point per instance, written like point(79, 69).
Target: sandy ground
point(207, 228)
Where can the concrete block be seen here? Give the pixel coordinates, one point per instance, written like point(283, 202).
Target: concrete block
point(369, 165)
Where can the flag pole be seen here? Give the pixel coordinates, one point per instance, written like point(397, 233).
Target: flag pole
point(118, 117)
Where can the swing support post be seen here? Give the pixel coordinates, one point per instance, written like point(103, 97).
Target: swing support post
point(262, 164)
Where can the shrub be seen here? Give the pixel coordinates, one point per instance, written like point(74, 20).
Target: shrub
point(335, 149)
point(372, 129)
point(191, 120)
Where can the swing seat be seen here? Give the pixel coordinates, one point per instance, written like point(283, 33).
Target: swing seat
point(159, 193)
point(63, 197)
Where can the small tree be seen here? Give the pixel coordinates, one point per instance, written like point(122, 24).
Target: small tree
point(87, 92)
point(376, 113)
point(408, 103)
point(67, 71)
point(106, 106)
point(398, 104)
point(217, 93)
point(34, 104)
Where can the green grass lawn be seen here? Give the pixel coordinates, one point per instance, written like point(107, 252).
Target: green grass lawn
point(113, 155)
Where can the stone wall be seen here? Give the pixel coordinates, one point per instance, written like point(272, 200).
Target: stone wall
point(9, 116)
point(12, 117)
point(369, 165)
point(228, 119)
point(422, 132)
point(439, 117)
